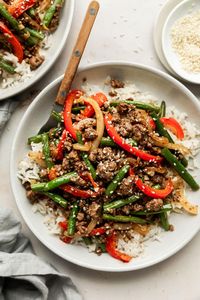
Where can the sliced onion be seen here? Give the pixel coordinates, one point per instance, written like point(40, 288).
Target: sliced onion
point(100, 122)
point(85, 147)
point(38, 158)
point(91, 225)
point(180, 195)
point(164, 142)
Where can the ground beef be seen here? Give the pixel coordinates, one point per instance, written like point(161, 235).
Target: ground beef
point(124, 108)
point(154, 205)
point(79, 181)
point(126, 187)
point(106, 170)
point(90, 134)
point(116, 83)
point(138, 131)
point(36, 61)
point(125, 128)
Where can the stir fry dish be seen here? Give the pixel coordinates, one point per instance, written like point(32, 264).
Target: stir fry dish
point(24, 26)
point(114, 168)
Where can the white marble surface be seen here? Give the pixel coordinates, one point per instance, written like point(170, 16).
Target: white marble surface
point(123, 31)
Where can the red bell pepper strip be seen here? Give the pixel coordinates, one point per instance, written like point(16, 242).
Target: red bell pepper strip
point(67, 114)
point(18, 7)
point(61, 145)
point(173, 126)
point(98, 231)
point(66, 239)
point(52, 173)
point(16, 46)
point(77, 192)
point(152, 192)
point(111, 248)
point(123, 144)
point(100, 98)
point(63, 225)
point(152, 123)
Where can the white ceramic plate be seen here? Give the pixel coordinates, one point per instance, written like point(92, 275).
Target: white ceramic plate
point(157, 33)
point(182, 9)
point(148, 79)
point(57, 41)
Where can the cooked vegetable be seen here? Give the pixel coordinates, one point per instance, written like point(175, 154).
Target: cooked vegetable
point(50, 12)
point(152, 192)
point(6, 66)
point(180, 169)
point(57, 199)
point(111, 248)
point(46, 150)
point(117, 179)
point(100, 98)
point(53, 184)
point(120, 203)
point(79, 193)
point(164, 221)
point(162, 111)
point(14, 42)
point(123, 144)
point(74, 94)
point(85, 157)
point(122, 218)
point(173, 126)
point(17, 26)
point(18, 7)
point(72, 219)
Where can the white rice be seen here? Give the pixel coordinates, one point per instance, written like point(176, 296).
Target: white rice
point(29, 170)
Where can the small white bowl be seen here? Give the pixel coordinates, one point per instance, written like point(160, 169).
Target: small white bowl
point(182, 9)
point(149, 80)
point(57, 41)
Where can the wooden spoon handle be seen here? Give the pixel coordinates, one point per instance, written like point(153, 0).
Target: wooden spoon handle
point(77, 52)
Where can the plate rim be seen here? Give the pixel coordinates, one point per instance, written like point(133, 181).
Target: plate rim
point(159, 52)
point(13, 178)
point(17, 90)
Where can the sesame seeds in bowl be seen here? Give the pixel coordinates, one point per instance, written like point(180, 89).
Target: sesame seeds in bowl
point(181, 40)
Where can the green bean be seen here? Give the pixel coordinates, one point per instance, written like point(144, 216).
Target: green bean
point(50, 185)
point(163, 132)
point(120, 218)
point(72, 219)
point(56, 116)
point(77, 109)
point(117, 179)
point(86, 158)
point(166, 207)
point(39, 35)
point(46, 150)
point(31, 12)
point(87, 240)
point(160, 128)
point(57, 199)
point(102, 246)
point(138, 104)
point(6, 66)
point(162, 111)
point(50, 12)
point(164, 221)
point(180, 169)
point(107, 142)
point(38, 138)
point(120, 203)
point(17, 26)
point(35, 139)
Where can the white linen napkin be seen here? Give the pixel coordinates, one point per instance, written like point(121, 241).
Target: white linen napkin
point(23, 275)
